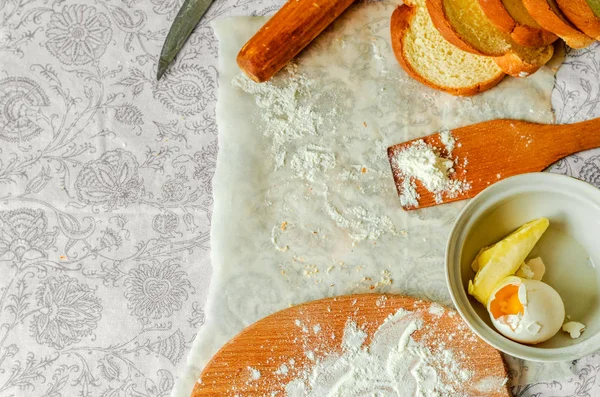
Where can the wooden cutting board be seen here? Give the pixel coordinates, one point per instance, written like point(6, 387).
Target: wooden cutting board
point(246, 366)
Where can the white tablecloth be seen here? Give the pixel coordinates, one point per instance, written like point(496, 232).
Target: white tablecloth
point(105, 194)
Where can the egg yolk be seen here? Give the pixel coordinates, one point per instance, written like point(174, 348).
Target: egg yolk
point(506, 301)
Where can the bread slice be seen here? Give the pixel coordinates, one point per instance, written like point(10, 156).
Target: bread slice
point(522, 65)
point(512, 17)
point(464, 24)
point(427, 57)
point(549, 16)
point(595, 6)
point(582, 16)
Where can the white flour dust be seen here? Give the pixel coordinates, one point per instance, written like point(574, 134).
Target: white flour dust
point(421, 161)
point(393, 365)
point(360, 223)
point(288, 111)
point(311, 160)
point(290, 114)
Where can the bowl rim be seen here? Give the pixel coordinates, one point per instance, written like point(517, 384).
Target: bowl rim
point(494, 194)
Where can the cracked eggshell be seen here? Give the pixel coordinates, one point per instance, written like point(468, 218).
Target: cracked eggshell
point(543, 312)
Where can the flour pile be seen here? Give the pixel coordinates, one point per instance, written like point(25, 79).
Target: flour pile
point(393, 365)
point(421, 161)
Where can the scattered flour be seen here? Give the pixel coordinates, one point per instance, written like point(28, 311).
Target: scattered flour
point(421, 161)
point(393, 364)
point(289, 114)
point(288, 110)
point(490, 384)
point(361, 223)
point(254, 373)
point(436, 309)
point(448, 140)
point(282, 370)
point(311, 160)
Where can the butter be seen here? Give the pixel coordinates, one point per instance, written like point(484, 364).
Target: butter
point(504, 258)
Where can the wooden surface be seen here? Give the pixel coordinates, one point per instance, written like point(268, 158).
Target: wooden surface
point(276, 339)
point(499, 149)
point(295, 25)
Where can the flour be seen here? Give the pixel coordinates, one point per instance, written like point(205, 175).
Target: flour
point(311, 160)
point(421, 161)
point(436, 309)
point(490, 384)
point(393, 364)
point(448, 140)
point(288, 111)
point(282, 370)
point(361, 223)
point(254, 373)
point(289, 114)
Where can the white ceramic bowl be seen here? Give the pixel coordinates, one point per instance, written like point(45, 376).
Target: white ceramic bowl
point(570, 248)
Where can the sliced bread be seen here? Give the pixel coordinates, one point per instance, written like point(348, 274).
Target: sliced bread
point(427, 57)
point(595, 6)
point(522, 65)
point(512, 17)
point(550, 17)
point(464, 24)
point(582, 16)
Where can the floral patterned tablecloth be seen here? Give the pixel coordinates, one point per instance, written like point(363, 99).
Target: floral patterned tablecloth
point(105, 194)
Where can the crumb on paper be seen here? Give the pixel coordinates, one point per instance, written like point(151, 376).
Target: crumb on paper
point(275, 242)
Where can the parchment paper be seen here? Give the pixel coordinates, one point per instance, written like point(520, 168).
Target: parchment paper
point(282, 235)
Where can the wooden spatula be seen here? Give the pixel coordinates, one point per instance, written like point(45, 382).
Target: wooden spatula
point(251, 364)
point(498, 149)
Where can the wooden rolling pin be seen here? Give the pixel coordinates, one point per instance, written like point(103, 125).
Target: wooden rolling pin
point(291, 29)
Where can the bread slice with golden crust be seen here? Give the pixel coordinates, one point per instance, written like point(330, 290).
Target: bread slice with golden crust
point(582, 16)
point(512, 17)
point(550, 17)
point(475, 40)
point(595, 6)
point(427, 57)
point(524, 65)
point(464, 24)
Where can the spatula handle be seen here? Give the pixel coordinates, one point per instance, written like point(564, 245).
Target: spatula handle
point(578, 137)
point(286, 34)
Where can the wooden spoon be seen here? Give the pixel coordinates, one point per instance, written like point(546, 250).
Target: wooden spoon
point(498, 149)
point(284, 337)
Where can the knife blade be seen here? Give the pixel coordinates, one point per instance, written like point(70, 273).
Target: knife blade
point(187, 18)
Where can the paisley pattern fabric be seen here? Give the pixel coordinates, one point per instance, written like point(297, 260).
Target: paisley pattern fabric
point(20, 101)
point(106, 196)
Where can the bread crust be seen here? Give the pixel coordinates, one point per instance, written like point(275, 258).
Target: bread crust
point(443, 25)
point(541, 11)
point(513, 65)
point(399, 25)
point(581, 15)
point(527, 36)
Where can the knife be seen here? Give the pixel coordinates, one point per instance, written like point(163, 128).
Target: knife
point(187, 18)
